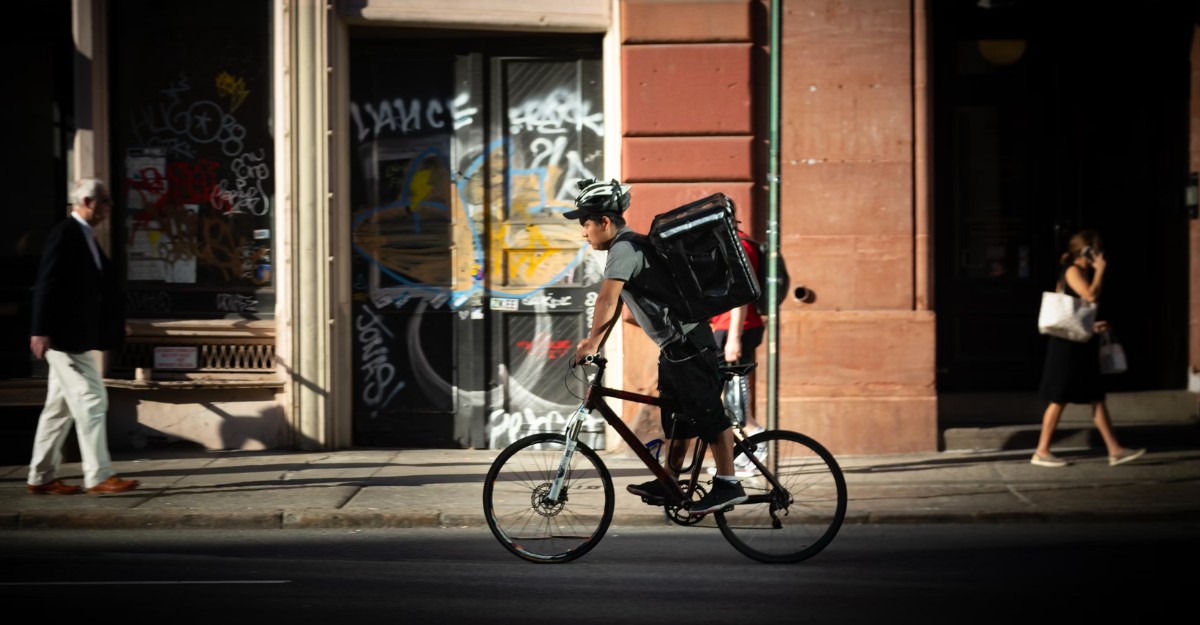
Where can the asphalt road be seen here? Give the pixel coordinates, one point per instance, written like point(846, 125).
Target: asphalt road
point(976, 573)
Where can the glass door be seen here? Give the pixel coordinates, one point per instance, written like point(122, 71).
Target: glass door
point(469, 287)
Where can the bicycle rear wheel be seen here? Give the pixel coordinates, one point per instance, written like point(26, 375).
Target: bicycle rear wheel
point(525, 522)
point(798, 522)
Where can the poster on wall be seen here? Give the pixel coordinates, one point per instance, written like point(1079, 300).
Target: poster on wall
point(153, 252)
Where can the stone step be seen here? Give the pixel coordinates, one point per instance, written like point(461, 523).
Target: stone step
point(1012, 437)
point(1008, 421)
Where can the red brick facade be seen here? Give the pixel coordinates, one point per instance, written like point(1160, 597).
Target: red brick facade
point(857, 363)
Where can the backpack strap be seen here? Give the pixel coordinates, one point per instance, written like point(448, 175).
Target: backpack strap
point(612, 323)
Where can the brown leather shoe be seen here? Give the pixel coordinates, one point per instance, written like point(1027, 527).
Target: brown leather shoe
point(57, 487)
point(113, 485)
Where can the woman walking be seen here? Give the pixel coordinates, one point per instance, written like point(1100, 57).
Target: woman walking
point(1071, 373)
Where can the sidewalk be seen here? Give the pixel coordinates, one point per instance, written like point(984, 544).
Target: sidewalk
point(432, 488)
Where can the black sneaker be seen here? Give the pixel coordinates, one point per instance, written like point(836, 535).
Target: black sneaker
point(724, 494)
point(651, 492)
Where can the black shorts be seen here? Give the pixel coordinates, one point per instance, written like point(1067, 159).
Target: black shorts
point(689, 384)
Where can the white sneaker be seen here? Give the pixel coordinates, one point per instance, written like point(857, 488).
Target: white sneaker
point(738, 471)
point(742, 467)
point(1128, 455)
point(743, 462)
point(1049, 460)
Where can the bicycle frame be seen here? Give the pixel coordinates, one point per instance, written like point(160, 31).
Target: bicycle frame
point(555, 507)
point(593, 400)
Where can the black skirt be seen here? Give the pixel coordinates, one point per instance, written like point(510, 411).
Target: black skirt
point(1071, 373)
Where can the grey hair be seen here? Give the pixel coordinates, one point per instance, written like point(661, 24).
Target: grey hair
point(85, 188)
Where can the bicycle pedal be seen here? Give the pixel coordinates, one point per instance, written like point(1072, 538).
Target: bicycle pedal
point(654, 501)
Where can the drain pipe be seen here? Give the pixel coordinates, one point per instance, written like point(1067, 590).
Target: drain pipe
point(773, 224)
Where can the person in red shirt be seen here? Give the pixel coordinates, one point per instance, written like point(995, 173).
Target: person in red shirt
point(738, 333)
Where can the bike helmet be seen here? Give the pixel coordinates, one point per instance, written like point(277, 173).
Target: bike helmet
point(598, 198)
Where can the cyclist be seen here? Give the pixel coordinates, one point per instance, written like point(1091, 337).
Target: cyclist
point(688, 361)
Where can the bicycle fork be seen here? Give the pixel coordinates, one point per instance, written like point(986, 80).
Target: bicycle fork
point(571, 434)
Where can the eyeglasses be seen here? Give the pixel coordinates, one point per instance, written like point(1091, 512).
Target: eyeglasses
point(103, 200)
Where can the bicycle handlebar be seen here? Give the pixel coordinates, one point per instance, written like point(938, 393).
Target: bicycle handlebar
point(594, 359)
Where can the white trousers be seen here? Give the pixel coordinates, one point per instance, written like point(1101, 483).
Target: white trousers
point(75, 394)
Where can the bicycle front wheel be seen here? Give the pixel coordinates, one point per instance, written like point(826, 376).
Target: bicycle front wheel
point(794, 523)
point(520, 513)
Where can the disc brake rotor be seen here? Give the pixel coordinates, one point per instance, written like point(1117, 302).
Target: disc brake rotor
point(543, 506)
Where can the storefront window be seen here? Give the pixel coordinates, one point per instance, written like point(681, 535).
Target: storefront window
point(193, 157)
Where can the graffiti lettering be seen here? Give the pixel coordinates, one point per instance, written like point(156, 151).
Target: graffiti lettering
point(221, 249)
point(233, 302)
point(556, 113)
point(148, 301)
point(506, 427)
point(201, 121)
point(398, 116)
point(248, 195)
point(589, 307)
point(542, 301)
point(178, 126)
point(380, 385)
point(463, 111)
point(233, 88)
point(553, 349)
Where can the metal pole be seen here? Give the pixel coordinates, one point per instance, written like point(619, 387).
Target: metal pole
point(773, 225)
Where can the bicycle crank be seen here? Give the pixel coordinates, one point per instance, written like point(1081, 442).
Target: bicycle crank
point(679, 514)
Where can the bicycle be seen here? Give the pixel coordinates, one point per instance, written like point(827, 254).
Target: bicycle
point(548, 498)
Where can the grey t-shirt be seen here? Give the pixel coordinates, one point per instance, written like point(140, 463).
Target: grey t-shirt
point(627, 262)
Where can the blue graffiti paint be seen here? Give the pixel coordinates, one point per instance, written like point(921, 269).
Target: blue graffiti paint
point(458, 298)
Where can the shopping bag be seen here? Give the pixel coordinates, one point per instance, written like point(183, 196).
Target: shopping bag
point(1066, 317)
point(737, 399)
point(1112, 355)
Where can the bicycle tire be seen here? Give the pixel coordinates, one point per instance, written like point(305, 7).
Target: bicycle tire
point(533, 529)
point(804, 522)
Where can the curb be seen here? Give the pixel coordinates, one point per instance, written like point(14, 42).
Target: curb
point(377, 519)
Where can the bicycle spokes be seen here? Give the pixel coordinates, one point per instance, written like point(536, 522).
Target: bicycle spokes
point(795, 509)
point(528, 519)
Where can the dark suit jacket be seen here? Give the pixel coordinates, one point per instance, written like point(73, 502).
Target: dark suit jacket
point(77, 305)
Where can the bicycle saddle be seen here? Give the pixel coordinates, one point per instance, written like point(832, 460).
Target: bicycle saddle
point(745, 369)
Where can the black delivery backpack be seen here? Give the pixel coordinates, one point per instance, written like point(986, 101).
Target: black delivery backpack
point(700, 244)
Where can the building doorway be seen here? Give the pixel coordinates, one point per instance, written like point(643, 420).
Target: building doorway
point(1043, 128)
point(469, 288)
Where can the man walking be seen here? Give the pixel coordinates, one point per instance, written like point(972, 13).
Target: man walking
point(78, 312)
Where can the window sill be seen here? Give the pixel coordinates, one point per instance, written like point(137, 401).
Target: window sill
point(174, 385)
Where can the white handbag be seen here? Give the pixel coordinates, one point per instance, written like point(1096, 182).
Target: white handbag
point(1112, 355)
point(1066, 317)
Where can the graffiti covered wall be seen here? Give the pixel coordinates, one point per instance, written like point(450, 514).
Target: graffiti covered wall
point(193, 158)
point(469, 286)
